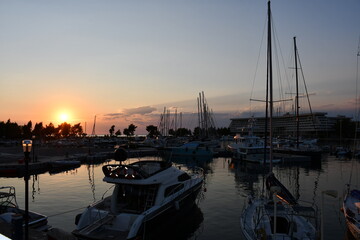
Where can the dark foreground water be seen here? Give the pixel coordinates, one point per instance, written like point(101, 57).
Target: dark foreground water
point(61, 196)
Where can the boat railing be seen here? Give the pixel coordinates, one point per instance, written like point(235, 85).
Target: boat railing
point(197, 172)
point(247, 227)
point(8, 196)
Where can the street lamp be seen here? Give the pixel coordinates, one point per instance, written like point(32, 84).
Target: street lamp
point(27, 144)
point(33, 148)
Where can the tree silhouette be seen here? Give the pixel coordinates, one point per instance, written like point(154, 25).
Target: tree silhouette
point(50, 130)
point(130, 131)
point(26, 130)
point(152, 130)
point(76, 130)
point(64, 129)
point(118, 132)
point(38, 131)
point(112, 130)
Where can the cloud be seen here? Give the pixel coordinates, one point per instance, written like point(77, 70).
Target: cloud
point(112, 116)
point(129, 112)
point(139, 110)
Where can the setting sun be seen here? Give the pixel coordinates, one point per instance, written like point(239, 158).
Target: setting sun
point(64, 117)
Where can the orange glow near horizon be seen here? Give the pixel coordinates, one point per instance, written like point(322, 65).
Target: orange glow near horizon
point(64, 117)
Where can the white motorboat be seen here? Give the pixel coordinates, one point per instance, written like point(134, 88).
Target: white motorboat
point(145, 193)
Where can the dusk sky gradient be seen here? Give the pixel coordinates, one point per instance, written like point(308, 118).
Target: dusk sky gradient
point(125, 60)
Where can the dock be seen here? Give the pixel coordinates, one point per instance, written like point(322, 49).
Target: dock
point(12, 163)
point(290, 158)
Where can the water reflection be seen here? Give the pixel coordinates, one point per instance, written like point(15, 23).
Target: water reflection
point(228, 183)
point(184, 225)
point(90, 170)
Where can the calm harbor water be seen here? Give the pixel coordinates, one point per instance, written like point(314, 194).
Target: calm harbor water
point(62, 196)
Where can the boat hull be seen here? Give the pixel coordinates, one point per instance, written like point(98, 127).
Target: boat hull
point(289, 226)
point(351, 212)
point(151, 219)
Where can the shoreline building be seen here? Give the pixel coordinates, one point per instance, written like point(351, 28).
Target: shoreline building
point(310, 125)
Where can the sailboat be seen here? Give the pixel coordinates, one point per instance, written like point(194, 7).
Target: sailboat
point(351, 203)
point(306, 148)
point(274, 216)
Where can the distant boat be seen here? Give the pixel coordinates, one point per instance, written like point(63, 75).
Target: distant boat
point(251, 148)
point(65, 164)
point(146, 193)
point(191, 149)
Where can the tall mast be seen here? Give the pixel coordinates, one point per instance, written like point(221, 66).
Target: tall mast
point(205, 116)
point(269, 80)
point(93, 130)
point(199, 114)
point(297, 95)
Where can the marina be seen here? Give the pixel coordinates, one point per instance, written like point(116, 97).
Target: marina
point(101, 137)
point(216, 215)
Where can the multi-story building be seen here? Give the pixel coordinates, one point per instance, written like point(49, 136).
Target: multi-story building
point(309, 125)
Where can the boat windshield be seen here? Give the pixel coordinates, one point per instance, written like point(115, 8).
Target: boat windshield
point(135, 198)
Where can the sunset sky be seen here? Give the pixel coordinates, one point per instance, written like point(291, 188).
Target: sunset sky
point(125, 60)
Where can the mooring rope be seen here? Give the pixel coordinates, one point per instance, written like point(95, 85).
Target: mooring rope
point(73, 210)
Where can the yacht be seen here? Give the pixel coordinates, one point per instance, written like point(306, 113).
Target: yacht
point(145, 194)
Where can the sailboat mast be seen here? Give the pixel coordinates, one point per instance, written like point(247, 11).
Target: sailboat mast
point(269, 80)
point(297, 95)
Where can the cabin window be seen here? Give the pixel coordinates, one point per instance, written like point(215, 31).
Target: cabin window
point(135, 198)
point(173, 189)
point(183, 177)
point(282, 225)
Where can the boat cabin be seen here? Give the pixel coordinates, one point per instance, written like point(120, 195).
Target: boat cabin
point(136, 189)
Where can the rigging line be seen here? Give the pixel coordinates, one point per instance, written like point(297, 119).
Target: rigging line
point(278, 50)
point(357, 78)
point(257, 65)
point(356, 112)
point(306, 91)
point(72, 210)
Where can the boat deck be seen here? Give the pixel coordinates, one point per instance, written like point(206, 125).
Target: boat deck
point(102, 234)
point(107, 234)
point(101, 230)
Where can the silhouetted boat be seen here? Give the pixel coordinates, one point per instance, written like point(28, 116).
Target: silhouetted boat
point(145, 194)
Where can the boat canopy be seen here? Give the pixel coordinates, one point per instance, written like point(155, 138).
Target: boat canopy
point(139, 170)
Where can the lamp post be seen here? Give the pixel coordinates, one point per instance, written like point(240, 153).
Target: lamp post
point(33, 148)
point(27, 144)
